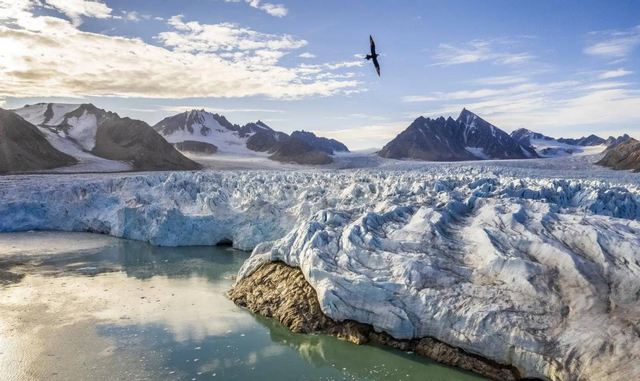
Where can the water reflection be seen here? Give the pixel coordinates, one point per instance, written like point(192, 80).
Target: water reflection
point(89, 307)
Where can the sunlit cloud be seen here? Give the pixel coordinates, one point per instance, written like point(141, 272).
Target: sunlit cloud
point(194, 60)
point(76, 9)
point(307, 55)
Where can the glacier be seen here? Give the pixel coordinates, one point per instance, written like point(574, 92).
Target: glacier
point(509, 263)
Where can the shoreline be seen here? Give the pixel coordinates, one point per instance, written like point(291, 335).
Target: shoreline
point(278, 291)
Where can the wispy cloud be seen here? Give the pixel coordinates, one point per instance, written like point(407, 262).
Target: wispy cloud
point(614, 74)
point(618, 44)
point(277, 10)
point(501, 80)
point(479, 51)
point(307, 55)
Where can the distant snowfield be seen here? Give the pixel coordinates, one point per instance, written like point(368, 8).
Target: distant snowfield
point(534, 263)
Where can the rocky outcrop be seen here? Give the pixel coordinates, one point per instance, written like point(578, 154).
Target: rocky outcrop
point(625, 156)
point(196, 147)
point(23, 148)
point(278, 291)
point(294, 150)
point(328, 146)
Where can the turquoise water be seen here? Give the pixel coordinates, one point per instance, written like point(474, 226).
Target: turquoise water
point(81, 306)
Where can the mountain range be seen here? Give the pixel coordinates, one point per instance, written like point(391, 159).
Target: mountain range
point(84, 138)
point(102, 140)
point(469, 137)
point(202, 132)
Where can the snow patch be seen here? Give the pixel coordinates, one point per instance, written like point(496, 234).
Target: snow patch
point(478, 152)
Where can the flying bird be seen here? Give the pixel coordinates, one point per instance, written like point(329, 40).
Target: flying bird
point(373, 55)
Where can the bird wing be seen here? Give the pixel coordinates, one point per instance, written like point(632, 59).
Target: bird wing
point(376, 64)
point(373, 46)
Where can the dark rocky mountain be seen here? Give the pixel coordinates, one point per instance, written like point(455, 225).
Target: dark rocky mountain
point(589, 141)
point(429, 139)
point(494, 143)
point(328, 146)
point(613, 142)
point(467, 138)
point(24, 148)
point(295, 150)
point(131, 140)
point(85, 129)
point(624, 156)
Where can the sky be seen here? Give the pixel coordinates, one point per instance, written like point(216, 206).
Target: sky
point(562, 68)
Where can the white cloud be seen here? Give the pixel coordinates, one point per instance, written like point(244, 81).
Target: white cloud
point(307, 55)
point(195, 60)
point(614, 74)
point(479, 51)
point(195, 37)
point(132, 16)
point(75, 9)
point(277, 10)
point(614, 44)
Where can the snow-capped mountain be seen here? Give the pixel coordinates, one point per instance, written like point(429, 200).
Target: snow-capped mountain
point(546, 146)
point(23, 148)
point(217, 131)
point(103, 141)
point(328, 146)
point(202, 132)
point(467, 138)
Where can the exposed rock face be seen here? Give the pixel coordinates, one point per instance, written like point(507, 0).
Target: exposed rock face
point(300, 152)
point(625, 156)
point(328, 146)
point(479, 134)
point(196, 147)
point(278, 291)
point(23, 148)
point(467, 138)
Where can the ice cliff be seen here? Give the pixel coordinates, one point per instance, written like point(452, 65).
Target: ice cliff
point(540, 273)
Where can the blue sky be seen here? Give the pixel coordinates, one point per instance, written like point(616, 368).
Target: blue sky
point(565, 68)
